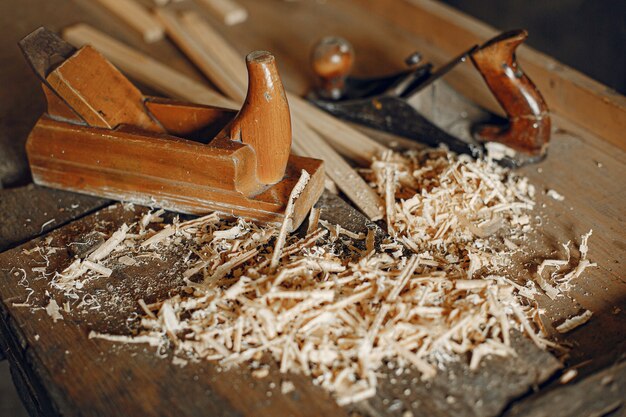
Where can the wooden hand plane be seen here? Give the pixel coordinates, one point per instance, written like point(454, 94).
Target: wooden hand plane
point(403, 103)
point(101, 136)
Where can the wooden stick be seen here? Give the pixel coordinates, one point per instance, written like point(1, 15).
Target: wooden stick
point(205, 60)
point(144, 69)
point(137, 17)
point(344, 138)
point(306, 140)
point(228, 11)
point(212, 43)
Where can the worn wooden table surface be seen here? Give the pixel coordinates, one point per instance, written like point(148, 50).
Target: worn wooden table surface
point(61, 372)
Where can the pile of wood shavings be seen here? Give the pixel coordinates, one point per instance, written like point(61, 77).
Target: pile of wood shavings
point(330, 304)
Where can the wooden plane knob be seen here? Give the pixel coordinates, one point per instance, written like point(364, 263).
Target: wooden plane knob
point(528, 130)
point(332, 61)
point(264, 121)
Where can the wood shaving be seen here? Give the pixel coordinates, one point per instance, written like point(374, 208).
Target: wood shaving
point(560, 279)
point(321, 306)
point(568, 376)
point(260, 373)
point(54, 311)
point(574, 322)
point(48, 223)
point(555, 195)
point(286, 387)
point(287, 223)
point(107, 247)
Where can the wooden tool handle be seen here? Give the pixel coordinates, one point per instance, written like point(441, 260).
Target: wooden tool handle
point(529, 119)
point(264, 121)
point(332, 60)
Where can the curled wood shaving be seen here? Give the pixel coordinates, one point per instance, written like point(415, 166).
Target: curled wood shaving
point(574, 322)
point(560, 280)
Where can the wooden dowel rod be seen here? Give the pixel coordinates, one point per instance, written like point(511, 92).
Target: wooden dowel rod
point(146, 70)
point(343, 137)
point(137, 17)
point(310, 144)
point(228, 11)
point(212, 43)
point(305, 139)
point(217, 73)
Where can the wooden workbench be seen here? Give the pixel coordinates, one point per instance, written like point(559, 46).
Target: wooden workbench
point(59, 371)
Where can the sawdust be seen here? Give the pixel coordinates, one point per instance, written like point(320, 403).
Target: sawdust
point(330, 304)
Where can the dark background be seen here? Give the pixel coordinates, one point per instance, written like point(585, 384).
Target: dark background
point(589, 35)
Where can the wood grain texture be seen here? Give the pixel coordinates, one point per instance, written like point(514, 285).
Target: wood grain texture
point(99, 93)
point(306, 141)
point(36, 210)
point(165, 171)
point(72, 375)
point(127, 161)
point(348, 141)
point(221, 75)
point(346, 178)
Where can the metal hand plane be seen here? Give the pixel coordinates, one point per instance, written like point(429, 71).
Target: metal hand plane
point(403, 103)
point(101, 136)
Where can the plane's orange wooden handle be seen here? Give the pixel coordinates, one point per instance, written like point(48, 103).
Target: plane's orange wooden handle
point(264, 121)
point(529, 118)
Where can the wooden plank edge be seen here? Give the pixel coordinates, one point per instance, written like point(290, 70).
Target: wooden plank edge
point(31, 386)
point(596, 395)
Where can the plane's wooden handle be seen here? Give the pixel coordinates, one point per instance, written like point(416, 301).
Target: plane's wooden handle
point(332, 60)
point(264, 121)
point(529, 119)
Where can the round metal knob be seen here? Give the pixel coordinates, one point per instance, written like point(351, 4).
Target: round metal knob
point(332, 60)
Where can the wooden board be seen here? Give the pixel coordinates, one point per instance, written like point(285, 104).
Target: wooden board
point(581, 166)
point(70, 374)
point(36, 210)
point(602, 394)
